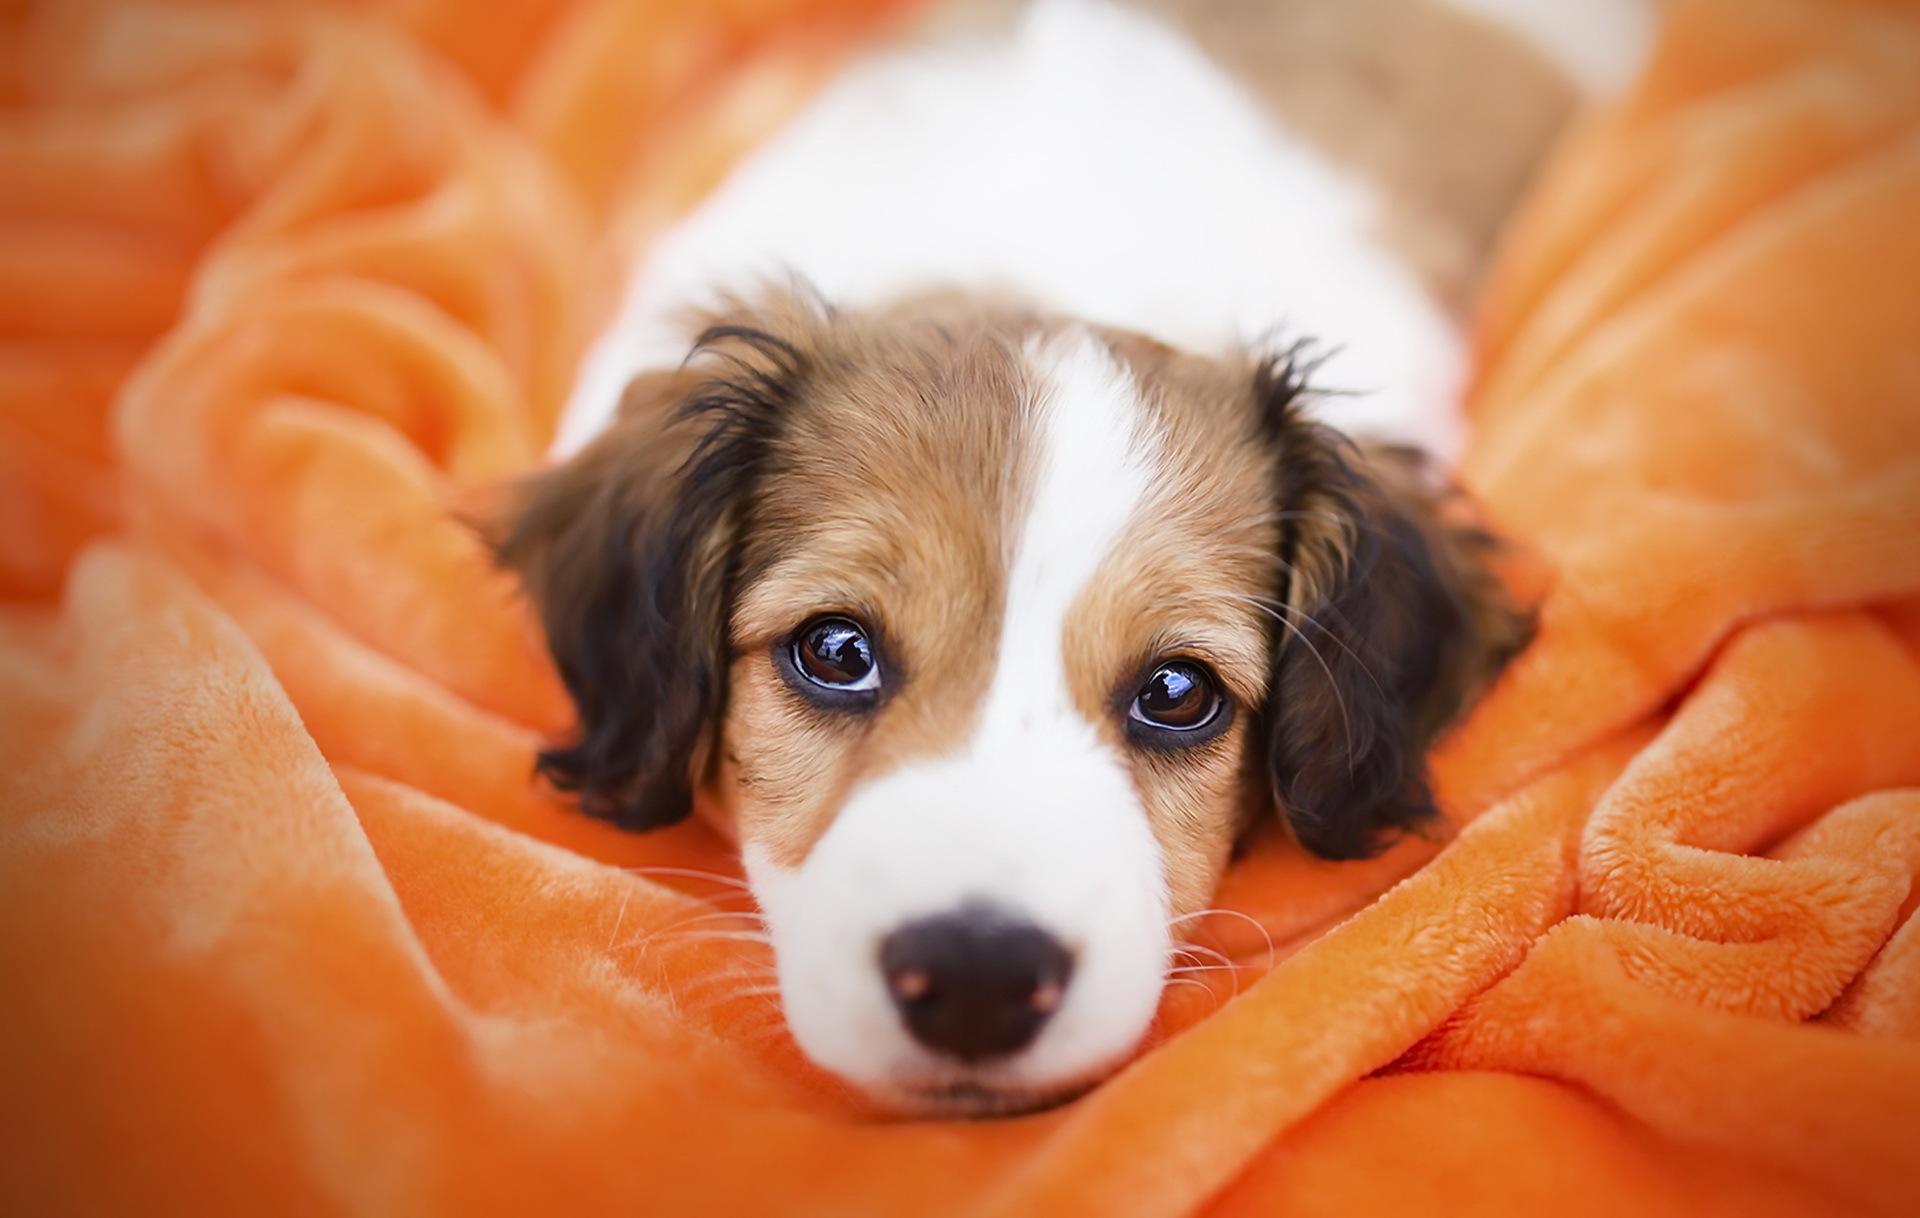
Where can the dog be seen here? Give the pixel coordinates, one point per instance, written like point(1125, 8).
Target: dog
point(984, 618)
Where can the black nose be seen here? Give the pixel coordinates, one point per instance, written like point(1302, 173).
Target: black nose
point(976, 983)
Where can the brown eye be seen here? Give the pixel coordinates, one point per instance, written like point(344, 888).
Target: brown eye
point(836, 654)
point(1179, 697)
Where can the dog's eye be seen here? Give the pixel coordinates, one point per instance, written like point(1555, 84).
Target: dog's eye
point(1180, 696)
point(835, 653)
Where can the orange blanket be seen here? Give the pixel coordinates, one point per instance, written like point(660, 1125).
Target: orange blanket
point(286, 928)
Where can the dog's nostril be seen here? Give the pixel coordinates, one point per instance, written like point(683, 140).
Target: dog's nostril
point(974, 984)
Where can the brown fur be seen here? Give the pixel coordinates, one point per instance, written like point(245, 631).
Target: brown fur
point(882, 462)
point(1194, 579)
point(1445, 112)
point(892, 501)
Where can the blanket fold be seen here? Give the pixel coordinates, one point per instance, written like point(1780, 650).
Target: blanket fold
point(287, 926)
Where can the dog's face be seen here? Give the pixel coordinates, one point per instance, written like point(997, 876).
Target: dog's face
point(990, 633)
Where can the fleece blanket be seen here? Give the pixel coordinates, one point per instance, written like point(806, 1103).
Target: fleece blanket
point(286, 926)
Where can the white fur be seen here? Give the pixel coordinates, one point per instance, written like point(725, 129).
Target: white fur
point(1600, 44)
point(1035, 815)
point(1095, 162)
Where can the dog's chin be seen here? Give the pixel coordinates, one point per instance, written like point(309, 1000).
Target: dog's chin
point(971, 1100)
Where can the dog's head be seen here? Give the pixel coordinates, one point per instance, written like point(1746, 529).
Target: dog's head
point(991, 633)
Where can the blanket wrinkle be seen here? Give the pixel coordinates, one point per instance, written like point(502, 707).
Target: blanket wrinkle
point(287, 926)
point(621, 72)
point(1724, 122)
point(1816, 539)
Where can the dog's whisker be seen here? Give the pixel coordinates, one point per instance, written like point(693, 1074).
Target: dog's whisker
point(643, 939)
point(730, 984)
point(1333, 683)
point(1188, 974)
point(1208, 990)
point(1199, 985)
point(1223, 966)
point(722, 985)
point(742, 966)
point(1182, 970)
point(689, 873)
point(756, 991)
point(696, 1000)
point(1210, 911)
point(739, 963)
point(701, 934)
point(737, 991)
point(724, 936)
point(681, 930)
point(619, 918)
point(1265, 935)
point(1274, 608)
point(1201, 953)
point(717, 915)
point(676, 936)
point(762, 1037)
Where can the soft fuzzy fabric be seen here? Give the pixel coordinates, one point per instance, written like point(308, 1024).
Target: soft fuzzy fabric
point(286, 928)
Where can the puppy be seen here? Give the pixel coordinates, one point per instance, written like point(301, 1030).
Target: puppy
point(987, 626)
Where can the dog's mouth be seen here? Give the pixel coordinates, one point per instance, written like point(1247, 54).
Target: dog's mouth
point(976, 1100)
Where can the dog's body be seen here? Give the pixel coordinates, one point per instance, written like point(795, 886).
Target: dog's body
point(984, 623)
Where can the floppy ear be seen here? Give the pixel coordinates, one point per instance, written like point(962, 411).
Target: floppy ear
point(629, 553)
point(1394, 619)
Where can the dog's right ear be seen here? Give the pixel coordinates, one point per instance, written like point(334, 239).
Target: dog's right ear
point(628, 552)
point(1392, 621)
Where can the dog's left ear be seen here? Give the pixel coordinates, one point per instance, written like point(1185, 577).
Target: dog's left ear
point(629, 552)
point(1394, 619)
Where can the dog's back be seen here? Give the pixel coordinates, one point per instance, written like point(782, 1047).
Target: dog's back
point(1211, 172)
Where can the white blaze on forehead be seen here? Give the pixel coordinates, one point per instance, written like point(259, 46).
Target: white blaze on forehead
point(1093, 460)
point(1035, 814)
